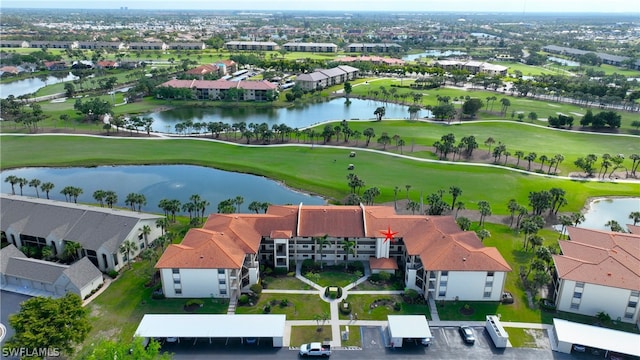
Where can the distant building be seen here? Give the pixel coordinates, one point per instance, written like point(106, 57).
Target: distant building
point(372, 59)
point(95, 45)
point(311, 47)
point(55, 65)
point(14, 44)
point(53, 44)
point(320, 79)
point(473, 67)
point(148, 46)
point(186, 46)
point(251, 45)
point(599, 271)
point(374, 48)
point(218, 89)
point(609, 59)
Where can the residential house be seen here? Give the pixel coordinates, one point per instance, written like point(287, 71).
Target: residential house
point(95, 45)
point(326, 77)
point(55, 65)
point(372, 59)
point(374, 48)
point(106, 64)
point(473, 67)
point(18, 273)
point(9, 70)
point(598, 271)
point(26, 221)
point(435, 256)
point(53, 44)
point(14, 44)
point(217, 89)
point(148, 46)
point(186, 46)
point(251, 45)
point(311, 47)
point(207, 69)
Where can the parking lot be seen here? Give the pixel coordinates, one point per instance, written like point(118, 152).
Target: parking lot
point(10, 304)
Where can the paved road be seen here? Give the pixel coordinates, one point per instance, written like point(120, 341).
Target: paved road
point(9, 304)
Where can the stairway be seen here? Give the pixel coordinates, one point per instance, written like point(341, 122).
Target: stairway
point(232, 306)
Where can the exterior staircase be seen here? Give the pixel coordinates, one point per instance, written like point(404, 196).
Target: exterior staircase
point(232, 306)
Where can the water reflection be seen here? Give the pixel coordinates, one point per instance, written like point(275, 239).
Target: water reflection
point(159, 182)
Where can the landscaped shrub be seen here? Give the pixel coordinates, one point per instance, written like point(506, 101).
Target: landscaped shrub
point(411, 296)
point(273, 302)
point(547, 305)
point(309, 265)
point(384, 276)
point(268, 271)
point(266, 309)
point(243, 299)
point(374, 277)
point(193, 302)
point(333, 292)
point(284, 303)
point(256, 288)
point(345, 307)
point(355, 266)
point(113, 274)
point(157, 295)
point(397, 306)
point(291, 274)
point(280, 271)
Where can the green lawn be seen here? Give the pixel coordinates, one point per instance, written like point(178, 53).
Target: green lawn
point(285, 282)
point(300, 306)
point(306, 334)
point(361, 305)
point(354, 336)
point(522, 338)
point(310, 169)
point(329, 277)
point(381, 286)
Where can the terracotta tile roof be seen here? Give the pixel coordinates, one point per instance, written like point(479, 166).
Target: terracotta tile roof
point(203, 69)
point(382, 264)
point(600, 257)
point(203, 249)
point(437, 240)
point(256, 85)
point(634, 229)
point(220, 84)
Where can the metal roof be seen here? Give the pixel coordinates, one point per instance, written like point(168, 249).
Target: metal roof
point(409, 326)
point(597, 337)
point(208, 325)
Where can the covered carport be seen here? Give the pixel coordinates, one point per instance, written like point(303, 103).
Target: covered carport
point(408, 327)
point(567, 334)
point(211, 326)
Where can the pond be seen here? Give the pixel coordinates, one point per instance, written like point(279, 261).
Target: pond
point(601, 210)
point(31, 85)
point(158, 182)
point(564, 62)
point(433, 53)
point(295, 117)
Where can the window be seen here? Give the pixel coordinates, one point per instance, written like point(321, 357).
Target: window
point(222, 282)
point(444, 273)
point(220, 271)
point(175, 271)
point(223, 291)
point(443, 283)
point(178, 291)
point(635, 294)
point(489, 283)
point(628, 315)
point(140, 236)
point(490, 273)
point(580, 285)
point(487, 294)
point(176, 280)
point(632, 304)
point(575, 306)
point(442, 292)
point(577, 295)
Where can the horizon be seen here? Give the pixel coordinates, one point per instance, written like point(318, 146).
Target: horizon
point(410, 6)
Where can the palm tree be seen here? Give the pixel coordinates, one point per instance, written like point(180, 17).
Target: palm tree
point(413, 206)
point(519, 154)
point(128, 248)
point(349, 248)
point(543, 159)
point(614, 226)
point(145, 230)
point(483, 234)
point(22, 182)
point(255, 206)
point(46, 187)
point(459, 206)
point(163, 224)
point(99, 195)
point(407, 187)
point(110, 198)
point(455, 193)
point(34, 183)
point(13, 180)
point(530, 157)
point(131, 201)
point(396, 190)
point(320, 242)
point(238, 201)
point(635, 216)
point(141, 200)
point(71, 249)
point(485, 210)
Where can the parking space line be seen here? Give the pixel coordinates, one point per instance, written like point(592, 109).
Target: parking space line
point(446, 339)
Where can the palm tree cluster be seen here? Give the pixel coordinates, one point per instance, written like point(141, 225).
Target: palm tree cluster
point(588, 165)
point(134, 199)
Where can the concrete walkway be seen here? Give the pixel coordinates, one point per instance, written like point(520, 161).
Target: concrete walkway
point(433, 309)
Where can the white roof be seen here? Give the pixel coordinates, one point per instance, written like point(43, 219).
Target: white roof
point(597, 337)
point(409, 326)
point(211, 325)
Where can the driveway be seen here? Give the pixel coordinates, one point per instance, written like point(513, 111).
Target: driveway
point(9, 304)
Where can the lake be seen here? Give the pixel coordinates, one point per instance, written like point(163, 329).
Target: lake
point(564, 62)
point(29, 86)
point(295, 117)
point(604, 209)
point(158, 182)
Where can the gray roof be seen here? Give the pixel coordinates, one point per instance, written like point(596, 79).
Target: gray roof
point(348, 69)
point(34, 269)
point(90, 226)
point(333, 72)
point(6, 253)
point(82, 272)
point(310, 44)
point(314, 76)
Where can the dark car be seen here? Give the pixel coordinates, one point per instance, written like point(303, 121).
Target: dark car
point(467, 334)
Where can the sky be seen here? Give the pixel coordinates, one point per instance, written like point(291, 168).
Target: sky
point(518, 6)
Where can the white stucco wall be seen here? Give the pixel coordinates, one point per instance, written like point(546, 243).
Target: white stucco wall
point(596, 298)
point(195, 283)
point(470, 285)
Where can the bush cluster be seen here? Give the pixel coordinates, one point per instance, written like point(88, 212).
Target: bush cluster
point(345, 307)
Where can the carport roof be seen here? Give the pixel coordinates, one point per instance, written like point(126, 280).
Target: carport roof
point(214, 326)
point(409, 326)
point(597, 337)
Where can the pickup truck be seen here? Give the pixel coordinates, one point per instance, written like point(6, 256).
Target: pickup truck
point(315, 349)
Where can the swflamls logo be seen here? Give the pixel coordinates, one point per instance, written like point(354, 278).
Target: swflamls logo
point(30, 352)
